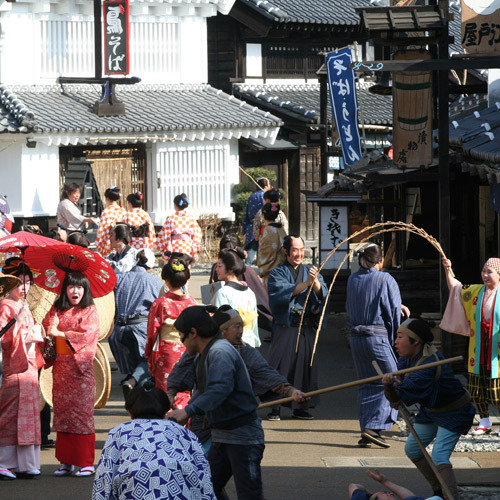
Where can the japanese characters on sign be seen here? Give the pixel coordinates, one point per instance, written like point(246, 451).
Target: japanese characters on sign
point(412, 114)
point(116, 37)
point(342, 91)
point(334, 229)
point(481, 26)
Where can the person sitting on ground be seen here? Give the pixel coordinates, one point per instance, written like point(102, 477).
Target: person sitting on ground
point(446, 410)
point(151, 455)
point(250, 277)
point(359, 492)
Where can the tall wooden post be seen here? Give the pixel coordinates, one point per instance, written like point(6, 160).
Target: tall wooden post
point(444, 166)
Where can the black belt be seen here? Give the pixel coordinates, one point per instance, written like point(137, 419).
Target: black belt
point(132, 319)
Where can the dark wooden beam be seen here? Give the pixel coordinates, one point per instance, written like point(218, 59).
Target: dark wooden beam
point(483, 62)
point(256, 22)
point(125, 80)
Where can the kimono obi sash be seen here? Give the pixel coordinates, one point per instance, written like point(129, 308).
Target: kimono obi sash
point(62, 346)
point(168, 332)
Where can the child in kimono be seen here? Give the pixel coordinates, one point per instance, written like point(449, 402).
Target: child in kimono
point(163, 345)
point(73, 322)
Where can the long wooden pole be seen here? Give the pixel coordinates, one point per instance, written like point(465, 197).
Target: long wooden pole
point(347, 385)
point(403, 411)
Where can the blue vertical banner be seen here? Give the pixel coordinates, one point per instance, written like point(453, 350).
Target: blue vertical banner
point(342, 89)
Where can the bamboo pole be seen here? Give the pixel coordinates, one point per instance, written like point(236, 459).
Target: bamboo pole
point(406, 417)
point(347, 385)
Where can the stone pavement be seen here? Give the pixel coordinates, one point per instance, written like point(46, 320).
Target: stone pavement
point(303, 460)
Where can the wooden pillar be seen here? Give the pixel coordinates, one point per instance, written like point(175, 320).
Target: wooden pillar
point(444, 167)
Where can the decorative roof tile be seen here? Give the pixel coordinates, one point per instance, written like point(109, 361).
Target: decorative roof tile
point(336, 12)
point(149, 108)
point(303, 101)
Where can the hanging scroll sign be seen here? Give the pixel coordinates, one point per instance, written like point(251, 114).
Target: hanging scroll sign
point(116, 37)
point(342, 89)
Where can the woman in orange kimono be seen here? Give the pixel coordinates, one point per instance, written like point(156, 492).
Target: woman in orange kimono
point(163, 345)
point(111, 214)
point(74, 324)
point(20, 436)
point(141, 225)
point(180, 232)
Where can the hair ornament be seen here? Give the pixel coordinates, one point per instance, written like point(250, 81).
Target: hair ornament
point(274, 206)
point(178, 266)
point(139, 195)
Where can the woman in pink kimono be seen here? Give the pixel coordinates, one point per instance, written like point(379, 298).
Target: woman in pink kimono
point(74, 324)
point(19, 401)
point(163, 345)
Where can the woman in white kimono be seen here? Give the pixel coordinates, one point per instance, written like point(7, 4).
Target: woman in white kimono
point(237, 294)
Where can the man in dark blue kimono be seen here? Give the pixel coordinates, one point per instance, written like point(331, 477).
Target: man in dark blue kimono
point(287, 286)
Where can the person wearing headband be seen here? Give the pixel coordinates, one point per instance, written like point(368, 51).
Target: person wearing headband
point(113, 212)
point(446, 410)
point(374, 306)
point(166, 461)
point(474, 311)
point(224, 395)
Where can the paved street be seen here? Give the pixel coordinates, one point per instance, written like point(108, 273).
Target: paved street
point(303, 459)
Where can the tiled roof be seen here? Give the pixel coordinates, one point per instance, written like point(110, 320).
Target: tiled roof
point(478, 134)
point(303, 101)
point(149, 108)
point(337, 12)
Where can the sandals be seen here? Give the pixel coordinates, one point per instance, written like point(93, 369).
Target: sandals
point(6, 474)
point(64, 470)
point(375, 438)
point(480, 430)
point(85, 471)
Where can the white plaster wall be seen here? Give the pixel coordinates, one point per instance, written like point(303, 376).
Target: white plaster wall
point(18, 62)
point(30, 178)
point(493, 86)
point(193, 54)
point(206, 171)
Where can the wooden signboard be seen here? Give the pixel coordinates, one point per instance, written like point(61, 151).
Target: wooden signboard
point(481, 26)
point(116, 37)
point(412, 113)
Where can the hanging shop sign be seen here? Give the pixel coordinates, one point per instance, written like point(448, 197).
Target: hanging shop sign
point(481, 26)
point(116, 37)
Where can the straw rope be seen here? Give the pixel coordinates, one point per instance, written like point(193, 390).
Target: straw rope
point(369, 232)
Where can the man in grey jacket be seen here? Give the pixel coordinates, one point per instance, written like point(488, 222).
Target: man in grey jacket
point(224, 394)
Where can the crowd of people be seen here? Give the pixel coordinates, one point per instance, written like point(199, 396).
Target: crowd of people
point(193, 373)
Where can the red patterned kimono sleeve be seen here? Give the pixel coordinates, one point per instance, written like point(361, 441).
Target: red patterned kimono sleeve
point(12, 343)
point(154, 325)
point(83, 337)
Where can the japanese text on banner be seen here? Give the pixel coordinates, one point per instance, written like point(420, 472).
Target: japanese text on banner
point(116, 54)
point(343, 99)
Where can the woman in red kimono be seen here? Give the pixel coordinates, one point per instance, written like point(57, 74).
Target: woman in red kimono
point(74, 324)
point(163, 345)
point(20, 436)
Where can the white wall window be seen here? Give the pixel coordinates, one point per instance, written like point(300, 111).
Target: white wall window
point(254, 60)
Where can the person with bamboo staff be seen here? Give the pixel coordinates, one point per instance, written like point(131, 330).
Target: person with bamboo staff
point(446, 410)
point(287, 285)
point(474, 311)
point(374, 307)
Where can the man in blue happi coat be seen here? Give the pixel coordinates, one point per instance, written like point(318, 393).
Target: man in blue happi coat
point(287, 286)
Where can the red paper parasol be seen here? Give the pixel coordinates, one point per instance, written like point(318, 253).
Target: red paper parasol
point(18, 242)
point(50, 265)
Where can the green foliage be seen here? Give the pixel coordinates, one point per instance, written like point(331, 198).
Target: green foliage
point(241, 203)
point(257, 172)
point(241, 188)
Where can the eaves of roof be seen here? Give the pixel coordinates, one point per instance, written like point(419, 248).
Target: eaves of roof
point(149, 109)
point(302, 102)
